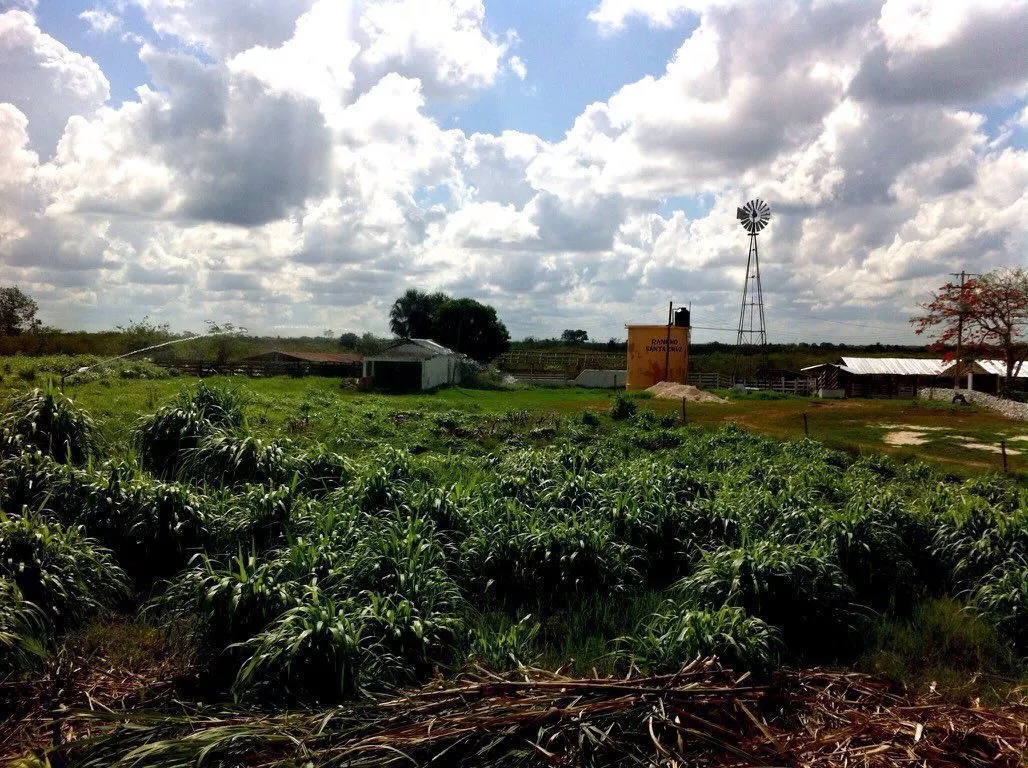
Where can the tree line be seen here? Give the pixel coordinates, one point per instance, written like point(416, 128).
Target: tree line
point(984, 316)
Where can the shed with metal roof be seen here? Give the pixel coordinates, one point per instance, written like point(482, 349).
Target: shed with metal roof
point(277, 361)
point(903, 377)
point(413, 364)
point(878, 376)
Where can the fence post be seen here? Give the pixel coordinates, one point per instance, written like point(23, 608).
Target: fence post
point(1003, 450)
point(806, 426)
point(685, 419)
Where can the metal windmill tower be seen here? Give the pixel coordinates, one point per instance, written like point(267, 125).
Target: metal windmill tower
point(753, 216)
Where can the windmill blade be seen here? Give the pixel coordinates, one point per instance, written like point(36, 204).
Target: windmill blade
point(754, 215)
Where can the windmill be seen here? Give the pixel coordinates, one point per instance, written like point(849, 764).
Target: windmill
point(753, 216)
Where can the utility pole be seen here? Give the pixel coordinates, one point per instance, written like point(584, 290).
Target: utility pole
point(667, 342)
point(960, 322)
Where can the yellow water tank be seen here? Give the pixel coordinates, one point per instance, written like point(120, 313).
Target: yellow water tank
point(649, 358)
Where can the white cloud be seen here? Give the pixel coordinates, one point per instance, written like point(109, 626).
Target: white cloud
point(45, 80)
point(610, 15)
point(442, 42)
point(295, 173)
point(101, 21)
point(18, 166)
point(226, 27)
point(517, 66)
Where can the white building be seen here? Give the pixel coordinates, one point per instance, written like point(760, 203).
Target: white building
point(412, 364)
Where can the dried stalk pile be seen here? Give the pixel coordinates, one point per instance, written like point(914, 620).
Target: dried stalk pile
point(701, 716)
point(31, 709)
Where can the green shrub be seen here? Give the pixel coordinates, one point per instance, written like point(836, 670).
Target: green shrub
point(232, 460)
point(22, 630)
point(799, 588)
point(1002, 598)
point(322, 471)
point(590, 419)
point(972, 538)
point(870, 550)
point(622, 407)
point(525, 556)
point(152, 527)
point(320, 650)
point(226, 603)
point(44, 420)
point(678, 633)
point(503, 644)
point(164, 438)
point(56, 568)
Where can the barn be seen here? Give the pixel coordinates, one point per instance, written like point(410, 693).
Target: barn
point(903, 377)
point(413, 364)
point(987, 375)
point(278, 362)
point(878, 376)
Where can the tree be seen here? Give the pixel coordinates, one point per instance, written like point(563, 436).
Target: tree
point(574, 338)
point(370, 344)
point(226, 340)
point(412, 316)
point(144, 333)
point(349, 340)
point(987, 315)
point(17, 312)
point(472, 328)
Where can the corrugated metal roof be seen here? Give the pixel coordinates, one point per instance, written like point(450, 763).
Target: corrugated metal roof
point(435, 346)
point(994, 367)
point(828, 365)
point(310, 357)
point(903, 366)
point(1000, 368)
point(412, 349)
point(893, 366)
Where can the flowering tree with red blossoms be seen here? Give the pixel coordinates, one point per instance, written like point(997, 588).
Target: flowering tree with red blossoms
point(994, 309)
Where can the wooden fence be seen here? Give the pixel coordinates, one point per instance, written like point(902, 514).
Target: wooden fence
point(783, 384)
point(564, 363)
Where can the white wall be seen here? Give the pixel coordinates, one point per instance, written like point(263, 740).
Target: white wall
point(440, 371)
point(601, 379)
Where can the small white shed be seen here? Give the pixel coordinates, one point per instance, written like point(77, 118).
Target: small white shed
point(411, 364)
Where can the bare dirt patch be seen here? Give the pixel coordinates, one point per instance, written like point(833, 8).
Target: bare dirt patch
point(905, 437)
point(911, 427)
point(992, 448)
point(668, 390)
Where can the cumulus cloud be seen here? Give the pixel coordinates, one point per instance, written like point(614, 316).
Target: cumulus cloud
point(288, 167)
point(45, 80)
point(225, 27)
point(611, 15)
point(101, 21)
point(935, 53)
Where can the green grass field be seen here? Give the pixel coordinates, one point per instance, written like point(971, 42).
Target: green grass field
point(290, 542)
point(856, 426)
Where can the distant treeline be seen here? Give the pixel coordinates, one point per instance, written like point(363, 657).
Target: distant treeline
point(199, 349)
point(707, 357)
point(719, 357)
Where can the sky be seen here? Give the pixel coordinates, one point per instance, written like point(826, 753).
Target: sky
point(292, 166)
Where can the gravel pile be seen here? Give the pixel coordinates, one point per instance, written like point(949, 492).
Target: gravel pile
point(668, 390)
